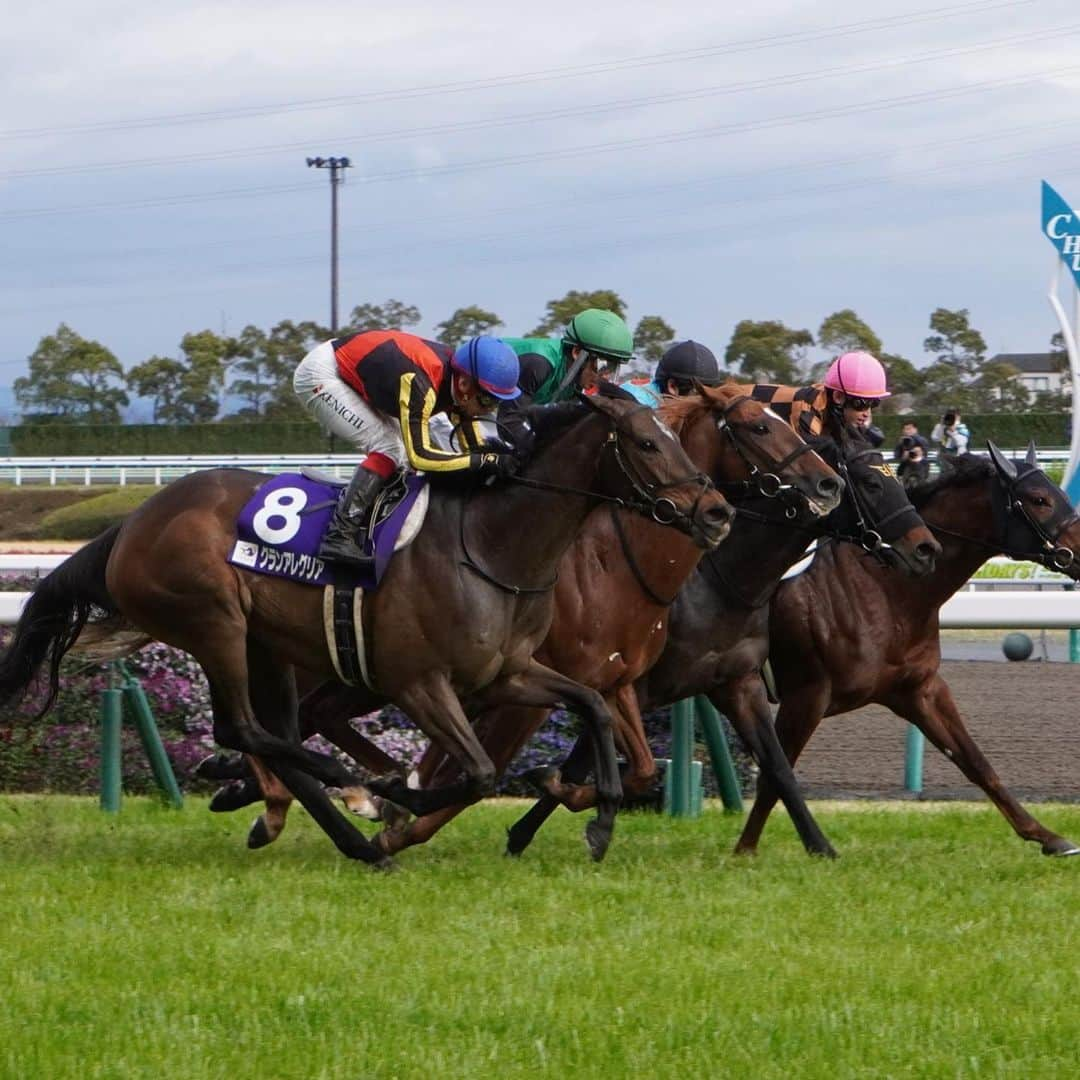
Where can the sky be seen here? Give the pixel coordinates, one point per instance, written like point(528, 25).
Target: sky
point(753, 161)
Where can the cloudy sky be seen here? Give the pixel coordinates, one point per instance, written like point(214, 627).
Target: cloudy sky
point(764, 160)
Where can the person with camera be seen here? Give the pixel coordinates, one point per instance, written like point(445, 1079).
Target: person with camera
point(911, 454)
point(952, 434)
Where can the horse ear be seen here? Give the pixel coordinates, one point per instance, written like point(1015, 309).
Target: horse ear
point(1003, 465)
point(606, 402)
point(1032, 457)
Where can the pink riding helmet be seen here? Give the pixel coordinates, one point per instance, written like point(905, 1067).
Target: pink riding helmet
point(857, 374)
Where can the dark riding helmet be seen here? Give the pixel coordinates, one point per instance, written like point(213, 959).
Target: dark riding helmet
point(685, 361)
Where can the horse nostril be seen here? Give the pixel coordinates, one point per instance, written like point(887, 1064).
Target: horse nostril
point(829, 486)
point(720, 513)
point(926, 551)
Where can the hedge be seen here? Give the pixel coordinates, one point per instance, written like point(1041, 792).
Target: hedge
point(83, 520)
point(118, 440)
point(304, 437)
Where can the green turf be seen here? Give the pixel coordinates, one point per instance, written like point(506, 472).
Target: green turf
point(153, 944)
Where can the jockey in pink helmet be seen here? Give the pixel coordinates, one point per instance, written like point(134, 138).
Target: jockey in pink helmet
point(856, 385)
point(853, 387)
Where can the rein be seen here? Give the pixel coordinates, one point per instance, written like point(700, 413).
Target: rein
point(648, 502)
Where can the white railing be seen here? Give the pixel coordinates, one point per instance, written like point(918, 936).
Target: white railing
point(158, 469)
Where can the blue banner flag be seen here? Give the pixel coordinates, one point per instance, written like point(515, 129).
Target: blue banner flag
point(1062, 228)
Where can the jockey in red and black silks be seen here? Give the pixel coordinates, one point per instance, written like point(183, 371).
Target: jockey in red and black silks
point(379, 389)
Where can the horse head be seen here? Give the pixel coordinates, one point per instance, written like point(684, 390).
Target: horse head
point(877, 513)
point(747, 449)
point(644, 464)
point(1033, 517)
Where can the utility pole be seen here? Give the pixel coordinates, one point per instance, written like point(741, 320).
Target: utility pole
point(336, 165)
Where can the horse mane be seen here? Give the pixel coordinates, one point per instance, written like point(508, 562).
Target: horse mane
point(680, 412)
point(963, 471)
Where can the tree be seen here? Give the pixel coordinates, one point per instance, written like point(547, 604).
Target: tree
point(72, 380)
point(768, 351)
point(185, 392)
point(465, 323)
point(955, 341)
point(652, 336)
point(390, 315)
point(560, 312)
point(944, 387)
point(997, 389)
point(158, 379)
point(266, 364)
point(843, 331)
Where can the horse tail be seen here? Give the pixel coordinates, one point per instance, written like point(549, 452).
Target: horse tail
point(54, 616)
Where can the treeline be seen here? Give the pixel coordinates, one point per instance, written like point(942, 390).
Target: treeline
point(248, 377)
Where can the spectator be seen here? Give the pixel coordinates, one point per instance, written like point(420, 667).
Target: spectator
point(909, 438)
point(914, 467)
point(952, 434)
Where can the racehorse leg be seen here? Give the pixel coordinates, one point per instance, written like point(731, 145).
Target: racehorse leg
point(576, 767)
point(539, 685)
point(796, 721)
point(932, 709)
point(273, 697)
point(503, 732)
point(744, 701)
point(228, 661)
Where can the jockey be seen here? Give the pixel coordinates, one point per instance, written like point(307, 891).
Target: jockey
point(378, 390)
point(683, 364)
point(555, 369)
point(854, 386)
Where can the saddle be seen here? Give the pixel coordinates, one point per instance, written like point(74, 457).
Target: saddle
point(281, 527)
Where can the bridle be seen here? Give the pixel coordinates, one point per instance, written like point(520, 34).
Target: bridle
point(769, 483)
point(1008, 508)
point(647, 500)
point(869, 534)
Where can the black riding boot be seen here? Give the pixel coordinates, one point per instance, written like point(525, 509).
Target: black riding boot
point(344, 539)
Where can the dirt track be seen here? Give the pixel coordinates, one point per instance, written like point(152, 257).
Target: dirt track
point(1025, 718)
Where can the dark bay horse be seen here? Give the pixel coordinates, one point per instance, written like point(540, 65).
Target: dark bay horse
point(719, 634)
point(846, 634)
point(451, 630)
point(616, 583)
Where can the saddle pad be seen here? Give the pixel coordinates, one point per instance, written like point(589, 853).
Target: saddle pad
point(279, 530)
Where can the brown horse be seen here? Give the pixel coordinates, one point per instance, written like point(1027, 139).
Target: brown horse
point(616, 583)
point(846, 634)
point(452, 628)
point(719, 639)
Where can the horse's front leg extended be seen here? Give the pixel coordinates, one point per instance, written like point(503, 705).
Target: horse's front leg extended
point(931, 708)
point(746, 705)
point(539, 685)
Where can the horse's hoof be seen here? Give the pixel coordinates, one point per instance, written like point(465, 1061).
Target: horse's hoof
point(233, 796)
point(392, 815)
point(516, 844)
point(258, 835)
point(597, 838)
point(1060, 847)
point(359, 801)
point(221, 767)
point(385, 865)
point(542, 777)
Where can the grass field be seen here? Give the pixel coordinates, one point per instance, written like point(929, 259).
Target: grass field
point(154, 944)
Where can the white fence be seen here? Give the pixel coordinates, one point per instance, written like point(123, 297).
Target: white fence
point(162, 468)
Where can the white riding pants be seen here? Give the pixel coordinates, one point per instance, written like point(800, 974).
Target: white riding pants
point(340, 410)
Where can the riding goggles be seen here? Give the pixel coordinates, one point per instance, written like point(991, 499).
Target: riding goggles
point(860, 403)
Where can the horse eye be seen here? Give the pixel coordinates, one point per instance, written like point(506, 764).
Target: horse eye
point(1038, 500)
point(761, 429)
point(647, 444)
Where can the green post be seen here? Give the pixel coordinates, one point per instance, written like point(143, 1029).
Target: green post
point(151, 740)
point(720, 755)
point(111, 717)
point(1074, 635)
point(913, 756)
point(682, 753)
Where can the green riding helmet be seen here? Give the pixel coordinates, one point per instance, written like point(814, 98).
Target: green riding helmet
point(601, 334)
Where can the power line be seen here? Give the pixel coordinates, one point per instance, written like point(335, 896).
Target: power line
point(546, 116)
point(647, 142)
point(543, 75)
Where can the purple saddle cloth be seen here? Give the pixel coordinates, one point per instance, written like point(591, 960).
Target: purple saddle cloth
point(280, 529)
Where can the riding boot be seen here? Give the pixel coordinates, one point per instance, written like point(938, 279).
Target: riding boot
point(346, 535)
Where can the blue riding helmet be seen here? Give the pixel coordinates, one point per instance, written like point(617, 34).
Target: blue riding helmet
point(492, 363)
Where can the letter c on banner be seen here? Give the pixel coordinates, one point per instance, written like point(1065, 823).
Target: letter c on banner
point(1051, 225)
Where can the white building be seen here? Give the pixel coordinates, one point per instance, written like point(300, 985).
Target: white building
point(1037, 372)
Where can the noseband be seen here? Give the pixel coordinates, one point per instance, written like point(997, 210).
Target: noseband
point(769, 484)
point(1006, 502)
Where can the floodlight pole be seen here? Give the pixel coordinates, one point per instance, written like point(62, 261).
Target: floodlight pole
point(336, 166)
